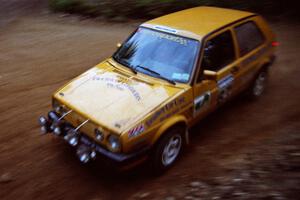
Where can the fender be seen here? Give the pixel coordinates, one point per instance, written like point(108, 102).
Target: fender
point(266, 62)
point(175, 120)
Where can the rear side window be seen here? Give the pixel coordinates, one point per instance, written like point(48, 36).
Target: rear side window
point(249, 37)
point(218, 52)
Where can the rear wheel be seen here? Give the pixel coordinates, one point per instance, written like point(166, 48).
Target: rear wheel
point(168, 149)
point(259, 85)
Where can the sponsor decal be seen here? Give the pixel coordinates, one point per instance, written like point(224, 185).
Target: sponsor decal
point(166, 29)
point(173, 38)
point(201, 101)
point(180, 76)
point(136, 130)
point(133, 92)
point(116, 84)
point(168, 110)
point(225, 85)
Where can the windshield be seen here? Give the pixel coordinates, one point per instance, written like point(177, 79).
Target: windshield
point(158, 54)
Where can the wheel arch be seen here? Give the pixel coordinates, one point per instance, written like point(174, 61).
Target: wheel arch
point(175, 121)
point(267, 62)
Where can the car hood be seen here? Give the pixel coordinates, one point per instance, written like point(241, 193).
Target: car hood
point(114, 98)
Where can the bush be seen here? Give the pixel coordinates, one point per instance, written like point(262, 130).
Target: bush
point(72, 6)
point(154, 8)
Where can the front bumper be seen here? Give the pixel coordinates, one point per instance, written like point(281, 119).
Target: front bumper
point(87, 148)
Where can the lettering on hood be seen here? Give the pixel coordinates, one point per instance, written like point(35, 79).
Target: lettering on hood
point(119, 85)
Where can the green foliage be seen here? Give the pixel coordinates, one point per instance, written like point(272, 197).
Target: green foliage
point(72, 6)
point(154, 8)
point(64, 5)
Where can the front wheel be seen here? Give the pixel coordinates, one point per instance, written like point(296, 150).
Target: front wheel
point(168, 150)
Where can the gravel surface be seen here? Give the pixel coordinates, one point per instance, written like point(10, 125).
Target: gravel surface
point(245, 150)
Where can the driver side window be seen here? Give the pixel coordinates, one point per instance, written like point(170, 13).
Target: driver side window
point(218, 52)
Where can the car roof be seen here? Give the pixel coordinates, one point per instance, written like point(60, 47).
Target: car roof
point(196, 22)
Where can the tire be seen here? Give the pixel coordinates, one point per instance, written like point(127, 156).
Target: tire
point(168, 149)
point(258, 86)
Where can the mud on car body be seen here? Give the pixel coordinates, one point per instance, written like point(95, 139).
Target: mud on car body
point(170, 73)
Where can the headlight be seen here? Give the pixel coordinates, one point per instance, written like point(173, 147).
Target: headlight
point(114, 143)
point(42, 121)
point(58, 108)
point(57, 130)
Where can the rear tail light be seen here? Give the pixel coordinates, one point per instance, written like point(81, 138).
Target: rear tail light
point(275, 44)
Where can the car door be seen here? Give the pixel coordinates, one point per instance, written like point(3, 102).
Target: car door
point(250, 42)
point(219, 57)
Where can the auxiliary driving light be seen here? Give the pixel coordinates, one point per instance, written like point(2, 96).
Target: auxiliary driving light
point(85, 153)
point(57, 130)
point(52, 127)
point(53, 116)
point(93, 154)
point(85, 157)
point(42, 121)
point(44, 130)
point(71, 137)
point(73, 141)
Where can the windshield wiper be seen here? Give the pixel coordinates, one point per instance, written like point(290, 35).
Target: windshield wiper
point(156, 73)
point(126, 64)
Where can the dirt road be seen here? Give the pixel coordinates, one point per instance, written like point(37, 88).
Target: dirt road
point(39, 54)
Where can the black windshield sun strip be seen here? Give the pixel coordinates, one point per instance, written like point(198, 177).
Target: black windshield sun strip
point(126, 64)
point(169, 80)
point(156, 73)
point(149, 70)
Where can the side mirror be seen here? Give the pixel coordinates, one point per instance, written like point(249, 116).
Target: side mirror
point(119, 45)
point(209, 75)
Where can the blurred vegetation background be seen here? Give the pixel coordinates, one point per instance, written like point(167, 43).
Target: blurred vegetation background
point(135, 9)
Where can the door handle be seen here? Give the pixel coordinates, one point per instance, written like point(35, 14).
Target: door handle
point(234, 69)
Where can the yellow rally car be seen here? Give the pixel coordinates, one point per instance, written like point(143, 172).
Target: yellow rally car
point(170, 73)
